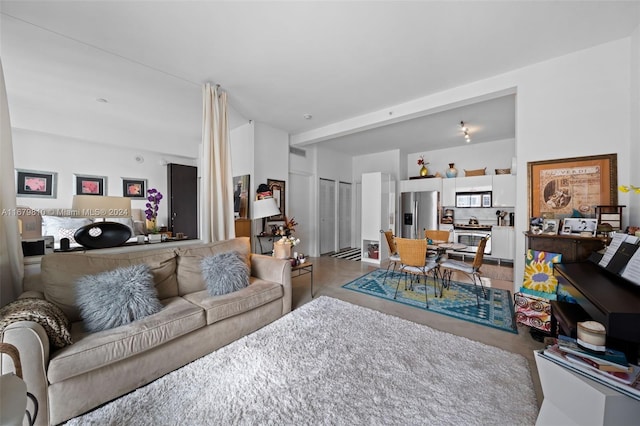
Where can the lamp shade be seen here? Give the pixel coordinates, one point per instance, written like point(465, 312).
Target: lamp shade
point(264, 208)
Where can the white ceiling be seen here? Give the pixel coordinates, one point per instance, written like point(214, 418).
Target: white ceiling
point(279, 61)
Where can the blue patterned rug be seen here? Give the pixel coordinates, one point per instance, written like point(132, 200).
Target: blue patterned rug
point(458, 301)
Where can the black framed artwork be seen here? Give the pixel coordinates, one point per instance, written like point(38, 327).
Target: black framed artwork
point(278, 192)
point(134, 188)
point(33, 183)
point(90, 185)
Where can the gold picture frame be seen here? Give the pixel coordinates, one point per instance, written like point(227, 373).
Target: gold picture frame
point(558, 188)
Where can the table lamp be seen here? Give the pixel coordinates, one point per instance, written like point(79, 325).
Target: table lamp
point(265, 207)
point(102, 234)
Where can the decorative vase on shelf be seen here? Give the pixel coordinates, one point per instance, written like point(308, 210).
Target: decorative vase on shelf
point(452, 172)
point(151, 225)
point(424, 171)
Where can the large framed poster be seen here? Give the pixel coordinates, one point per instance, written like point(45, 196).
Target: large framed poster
point(277, 189)
point(558, 187)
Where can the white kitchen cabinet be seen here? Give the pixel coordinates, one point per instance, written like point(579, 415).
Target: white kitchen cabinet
point(418, 185)
point(448, 197)
point(474, 183)
point(503, 242)
point(504, 191)
point(378, 213)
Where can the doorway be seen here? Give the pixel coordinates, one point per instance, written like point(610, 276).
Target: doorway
point(344, 215)
point(182, 185)
point(327, 210)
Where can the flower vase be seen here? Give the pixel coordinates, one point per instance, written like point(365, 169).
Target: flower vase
point(424, 171)
point(282, 251)
point(151, 225)
point(452, 172)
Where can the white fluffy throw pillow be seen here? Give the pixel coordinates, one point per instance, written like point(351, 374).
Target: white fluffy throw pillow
point(114, 298)
point(225, 273)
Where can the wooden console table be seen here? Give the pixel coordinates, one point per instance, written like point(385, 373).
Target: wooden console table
point(573, 248)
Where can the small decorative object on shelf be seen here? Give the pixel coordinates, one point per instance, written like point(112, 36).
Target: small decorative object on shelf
point(424, 172)
point(452, 171)
point(282, 247)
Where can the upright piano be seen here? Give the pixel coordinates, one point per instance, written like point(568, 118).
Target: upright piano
point(608, 299)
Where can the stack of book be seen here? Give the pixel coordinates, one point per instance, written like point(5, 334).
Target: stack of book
point(609, 367)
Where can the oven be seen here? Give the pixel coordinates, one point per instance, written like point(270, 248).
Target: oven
point(471, 238)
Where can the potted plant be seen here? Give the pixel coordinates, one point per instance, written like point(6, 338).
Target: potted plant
point(153, 204)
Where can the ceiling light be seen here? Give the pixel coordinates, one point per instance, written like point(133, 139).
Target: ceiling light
point(465, 131)
point(308, 116)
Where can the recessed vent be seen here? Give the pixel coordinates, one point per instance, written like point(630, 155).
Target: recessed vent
point(297, 151)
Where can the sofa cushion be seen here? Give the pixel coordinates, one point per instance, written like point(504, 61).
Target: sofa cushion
point(189, 269)
point(225, 273)
point(60, 271)
point(115, 298)
point(95, 350)
point(217, 308)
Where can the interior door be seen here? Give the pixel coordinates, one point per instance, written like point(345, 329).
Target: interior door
point(327, 201)
point(344, 215)
point(300, 209)
point(182, 183)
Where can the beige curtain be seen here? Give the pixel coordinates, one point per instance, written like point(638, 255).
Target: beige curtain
point(217, 179)
point(11, 267)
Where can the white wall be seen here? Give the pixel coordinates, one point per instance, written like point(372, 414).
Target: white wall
point(46, 152)
point(634, 155)
point(492, 155)
point(575, 105)
point(271, 159)
point(241, 140)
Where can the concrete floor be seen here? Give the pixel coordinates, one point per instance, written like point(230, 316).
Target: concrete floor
point(329, 274)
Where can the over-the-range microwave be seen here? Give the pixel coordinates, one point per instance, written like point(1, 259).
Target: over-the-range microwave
point(473, 199)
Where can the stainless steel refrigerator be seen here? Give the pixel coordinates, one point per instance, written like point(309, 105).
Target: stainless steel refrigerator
point(419, 212)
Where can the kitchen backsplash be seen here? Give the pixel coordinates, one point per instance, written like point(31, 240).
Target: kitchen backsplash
point(485, 216)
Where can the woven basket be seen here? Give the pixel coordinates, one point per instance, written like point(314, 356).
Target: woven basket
point(476, 172)
point(503, 171)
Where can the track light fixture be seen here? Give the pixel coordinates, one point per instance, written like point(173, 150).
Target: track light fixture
point(465, 131)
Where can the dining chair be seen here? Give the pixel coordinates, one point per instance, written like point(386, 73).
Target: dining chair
point(437, 235)
point(394, 257)
point(472, 270)
point(413, 260)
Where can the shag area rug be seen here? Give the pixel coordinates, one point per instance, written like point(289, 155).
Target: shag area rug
point(458, 301)
point(331, 362)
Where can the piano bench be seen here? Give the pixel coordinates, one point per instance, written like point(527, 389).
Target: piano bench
point(568, 315)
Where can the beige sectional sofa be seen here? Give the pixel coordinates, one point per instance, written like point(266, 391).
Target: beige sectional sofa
point(101, 366)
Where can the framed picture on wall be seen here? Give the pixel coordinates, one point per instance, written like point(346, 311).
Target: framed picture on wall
point(89, 185)
point(134, 188)
point(559, 187)
point(33, 183)
point(277, 189)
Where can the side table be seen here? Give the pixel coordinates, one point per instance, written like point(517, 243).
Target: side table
point(304, 269)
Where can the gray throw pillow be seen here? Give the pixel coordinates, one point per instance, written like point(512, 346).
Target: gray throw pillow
point(225, 272)
point(115, 298)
